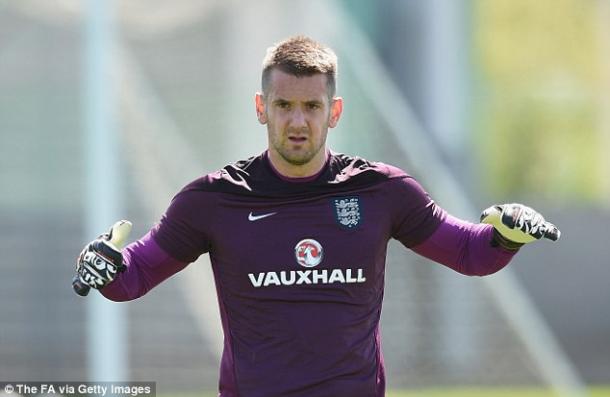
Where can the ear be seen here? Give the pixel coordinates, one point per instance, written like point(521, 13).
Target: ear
point(336, 108)
point(261, 114)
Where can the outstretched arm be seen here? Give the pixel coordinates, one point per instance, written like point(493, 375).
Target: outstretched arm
point(485, 248)
point(469, 248)
point(465, 247)
point(147, 265)
point(178, 239)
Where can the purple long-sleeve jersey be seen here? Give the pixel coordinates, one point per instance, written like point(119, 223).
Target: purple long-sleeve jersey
point(299, 267)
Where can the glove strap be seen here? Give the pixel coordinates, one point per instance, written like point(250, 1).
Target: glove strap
point(498, 240)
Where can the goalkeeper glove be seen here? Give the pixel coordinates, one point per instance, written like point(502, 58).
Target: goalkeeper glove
point(517, 224)
point(101, 260)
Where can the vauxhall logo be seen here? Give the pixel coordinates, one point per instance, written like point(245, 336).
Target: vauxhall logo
point(309, 254)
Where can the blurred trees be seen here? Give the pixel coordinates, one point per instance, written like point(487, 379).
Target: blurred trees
point(539, 99)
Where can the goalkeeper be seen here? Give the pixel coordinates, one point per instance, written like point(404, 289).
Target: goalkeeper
point(297, 238)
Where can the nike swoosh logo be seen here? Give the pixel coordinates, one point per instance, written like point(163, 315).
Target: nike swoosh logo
point(252, 217)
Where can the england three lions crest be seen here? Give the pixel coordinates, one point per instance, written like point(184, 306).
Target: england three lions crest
point(348, 211)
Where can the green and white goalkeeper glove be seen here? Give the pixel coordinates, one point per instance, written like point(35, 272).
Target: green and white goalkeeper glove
point(516, 224)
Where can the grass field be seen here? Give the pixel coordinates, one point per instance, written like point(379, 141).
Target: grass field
point(490, 392)
point(457, 392)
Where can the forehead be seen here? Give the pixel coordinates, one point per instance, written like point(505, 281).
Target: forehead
point(305, 88)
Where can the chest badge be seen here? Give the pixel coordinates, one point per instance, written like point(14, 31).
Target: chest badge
point(348, 211)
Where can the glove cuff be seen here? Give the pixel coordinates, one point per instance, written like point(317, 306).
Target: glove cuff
point(498, 240)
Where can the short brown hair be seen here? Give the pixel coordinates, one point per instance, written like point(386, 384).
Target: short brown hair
point(301, 56)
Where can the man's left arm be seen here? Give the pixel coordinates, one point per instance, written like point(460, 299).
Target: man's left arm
point(484, 248)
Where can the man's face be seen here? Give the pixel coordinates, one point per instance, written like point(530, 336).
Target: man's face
point(298, 113)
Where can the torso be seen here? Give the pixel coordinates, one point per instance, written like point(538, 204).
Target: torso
point(300, 276)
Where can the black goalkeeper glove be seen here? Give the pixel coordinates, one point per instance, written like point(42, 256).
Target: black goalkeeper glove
point(101, 260)
point(517, 224)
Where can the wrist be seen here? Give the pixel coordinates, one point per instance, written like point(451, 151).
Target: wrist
point(498, 240)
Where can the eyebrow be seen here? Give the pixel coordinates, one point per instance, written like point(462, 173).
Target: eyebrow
point(308, 102)
point(280, 100)
point(314, 102)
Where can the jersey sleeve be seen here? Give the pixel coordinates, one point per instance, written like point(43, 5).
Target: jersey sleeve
point(147, 266)
point(184, 231)
point(465, 247)
point(415, 215)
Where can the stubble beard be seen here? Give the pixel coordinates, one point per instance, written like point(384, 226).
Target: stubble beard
point(297, 158)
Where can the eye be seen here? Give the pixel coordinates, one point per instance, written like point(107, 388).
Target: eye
point(283, 105)
point(313, 106)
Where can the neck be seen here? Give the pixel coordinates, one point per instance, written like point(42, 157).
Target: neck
point(288, 170)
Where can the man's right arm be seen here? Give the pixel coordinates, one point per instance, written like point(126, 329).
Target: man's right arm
point(180, 237)
point(147, 265)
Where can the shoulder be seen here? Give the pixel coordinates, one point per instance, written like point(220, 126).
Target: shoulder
point(346, 166)
point(408, 187)
point(346, 169)
point(232, 178)
point(399, 182)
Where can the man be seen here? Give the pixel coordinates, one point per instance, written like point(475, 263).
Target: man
point(297, 238)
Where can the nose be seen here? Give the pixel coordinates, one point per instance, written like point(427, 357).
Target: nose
point(298, 119)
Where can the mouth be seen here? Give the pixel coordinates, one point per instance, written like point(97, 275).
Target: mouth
point(297, 139)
